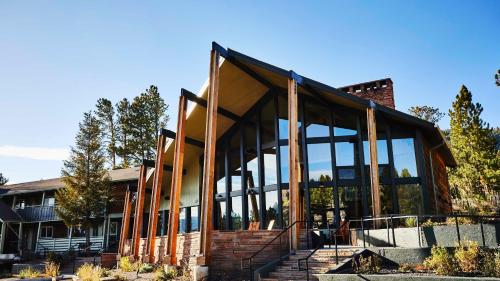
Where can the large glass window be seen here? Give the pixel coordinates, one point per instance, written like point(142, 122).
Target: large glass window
point(320, 162)
point(220, 212)
point(182, 220)
point(236, 212)
point(404, 158)
point(409, 199)
point(270, 173)
point(317, 120)
point(271, 209)
point(345, 158)
point(253, 207)
point(345, 125)
point(350, 201)
point(221, 173)
point(382, 158)
point(195, 222)
point(322, 206)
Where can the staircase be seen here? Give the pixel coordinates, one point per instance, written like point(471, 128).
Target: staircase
point(321, 262)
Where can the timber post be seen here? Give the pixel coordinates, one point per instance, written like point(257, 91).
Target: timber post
point(293, 164)
point(176, 186)
point(126, 222)
point(206, 225)
point(155, 199)
point(374, 176)
point(138, 217)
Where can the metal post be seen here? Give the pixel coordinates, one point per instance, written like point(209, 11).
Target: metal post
point(458, 229)
point(387, 227)
point(363, 231)
point(336, 250)
point(482, 231)
point(393, 236)
point(418, 233)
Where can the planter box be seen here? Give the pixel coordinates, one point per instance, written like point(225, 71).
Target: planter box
point(396, 277)
point(108, 260)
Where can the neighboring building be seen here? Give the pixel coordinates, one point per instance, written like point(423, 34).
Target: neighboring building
point(261, 147)
point(29, 223)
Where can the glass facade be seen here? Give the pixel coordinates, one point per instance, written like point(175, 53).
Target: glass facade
point(334, 171)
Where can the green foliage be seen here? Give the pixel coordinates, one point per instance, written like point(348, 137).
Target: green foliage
point(128, 266)
point(411, 222)
point(467, 256)
point(145, 268)
point(490, 265)
point(29, 273)
point(476, 178)
point(427, 113)
point(53, 257)
point(406, 268)
point(86, 180)
point(105, 113)
point(441, 262)
point(3, 180)
point(162, 275)
point(497, 78)
point(366, 265)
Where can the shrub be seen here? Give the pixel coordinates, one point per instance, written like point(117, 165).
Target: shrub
point(52, 269)
point(411, 222)
point(368, 265)
point(461, 220)
point(467, 256)
point(88, 272)
point(406, 268)
point(29, 273)
point(429, 223)
point(491, 264)
point(53, 257)
point(128, 266)
point(162, 275)
point(145, 268)
point(440, 261)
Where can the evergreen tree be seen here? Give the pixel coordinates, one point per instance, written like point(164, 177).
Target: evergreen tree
point(106, 116)
point(147, 115)
point(87, 183)
point(476, 178)
point(123, 133)
point(3, 180)
point(427, 113)
point(497, 78)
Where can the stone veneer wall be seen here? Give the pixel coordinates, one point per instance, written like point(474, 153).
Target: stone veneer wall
point(228, 248)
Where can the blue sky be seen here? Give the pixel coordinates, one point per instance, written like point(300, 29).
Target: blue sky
point(58, 57)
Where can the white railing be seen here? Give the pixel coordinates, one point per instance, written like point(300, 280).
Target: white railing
point(63, 244)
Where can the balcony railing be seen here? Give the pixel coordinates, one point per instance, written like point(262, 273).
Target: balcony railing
point(37, 213)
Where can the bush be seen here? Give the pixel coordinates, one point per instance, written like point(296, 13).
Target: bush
point(410, 222)
point(128, 266)
point(162, 275)
point(366, 265)
point(52, 269)
point(461, 220)
point(467, 256)
point(53, 257)
point(88, 272)
point(406, 268)
point(440, 261)
point(491, 264)
point(145, 268)
point(29, 273)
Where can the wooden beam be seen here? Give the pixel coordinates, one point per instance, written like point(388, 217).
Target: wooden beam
point(139, 206)
point(222, 111)
point(374, 177)
point(155, 200)
point(152, 164)
point(293, 162)
point(206, 226)
point(171, 135)
point(176, 186)
point(125, 223)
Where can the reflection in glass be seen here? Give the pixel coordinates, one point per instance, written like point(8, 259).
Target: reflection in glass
point(386, 199)
point(253, 207)
point(236, 212)
point(182, 220)
point(221, 215)
point(285, 198)
point(317, 120)
point(270, 174)
point(320, 162)
point(194, 219)
point(267, 123)
point(409, 199)
point(404, 158)
point(350, 202)
point(384, 169)
point(235, 163)
point(221, 178)
point(345, 125)
point(322, 206)
point(271, 208)
point(344, 155)
point(284, 164)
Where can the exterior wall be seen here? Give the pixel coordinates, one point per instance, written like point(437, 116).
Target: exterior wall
point(228, 248)
point(440, 179)
point(190, 187)
point(379, 91)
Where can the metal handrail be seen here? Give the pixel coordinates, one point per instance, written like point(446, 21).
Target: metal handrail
point(319, 246)
point(249, 259)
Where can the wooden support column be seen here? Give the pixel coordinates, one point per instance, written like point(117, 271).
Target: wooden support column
point(3, 232)
point(139, 206)
point(155, 199)
point(293, 162)
point(206, 226)
point(176, 186)
point(374, 177)
point(127, 206)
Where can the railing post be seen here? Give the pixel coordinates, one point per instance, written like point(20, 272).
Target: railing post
point(363, 231)
point(387, 227)
point(482, 231)
point(336, 249)
point(418, 233)
point(393, 233)
point(458, 229)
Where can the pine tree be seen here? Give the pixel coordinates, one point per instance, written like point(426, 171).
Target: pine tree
point(477, 176)
point(87, 183)
point(106, 116)
point(3, 180)
point(497, 78)
point(123, 132)
point(427, 113)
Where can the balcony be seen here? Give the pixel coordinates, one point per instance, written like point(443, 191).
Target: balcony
point(37, 213)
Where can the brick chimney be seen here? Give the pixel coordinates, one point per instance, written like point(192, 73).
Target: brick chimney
point(380, 91)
